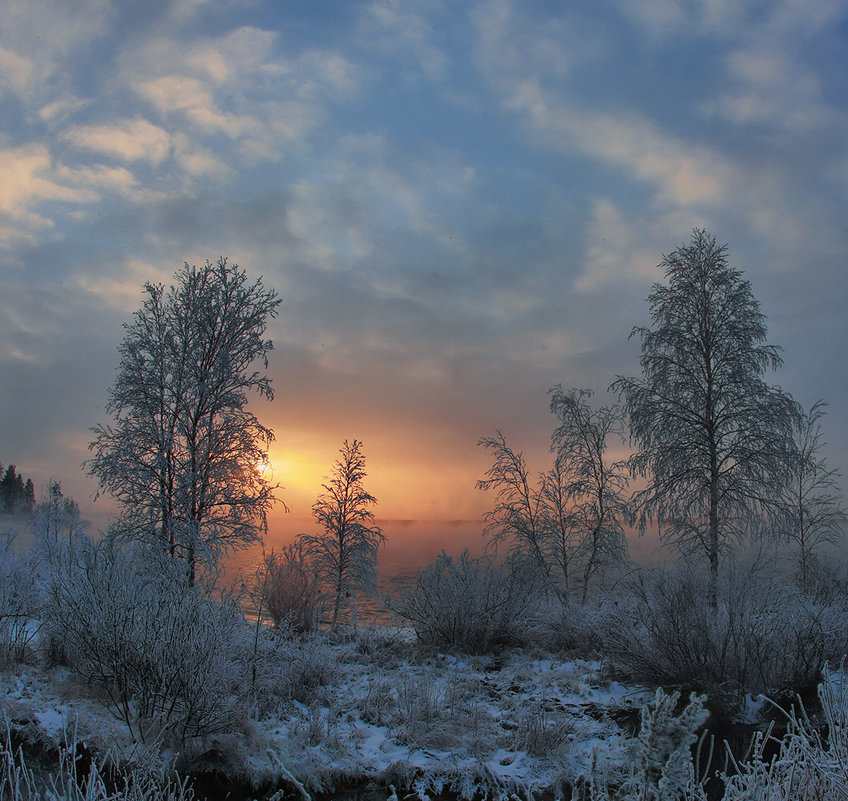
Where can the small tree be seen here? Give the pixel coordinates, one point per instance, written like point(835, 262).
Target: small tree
point(29, 497)
point(569, 522)
point(56, 520)
point(712, 435)
point(344, 553)
point(808, 510)
point(518, 517)
point(594, 487)
point(183, 451)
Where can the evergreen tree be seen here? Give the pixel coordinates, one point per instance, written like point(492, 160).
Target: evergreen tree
point(29, 497)
point(8, 489)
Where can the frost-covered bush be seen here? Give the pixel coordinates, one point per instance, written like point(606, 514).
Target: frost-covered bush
point(471, 604)
point(159, 650)
point(826, 580)
point(575, 628)
point(290, 669)
point(660, 765)
point(763, 635)
point(20, 602)
point(290, 591)
point(811, 763)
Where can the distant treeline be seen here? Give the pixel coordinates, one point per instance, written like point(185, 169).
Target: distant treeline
point(16, 495)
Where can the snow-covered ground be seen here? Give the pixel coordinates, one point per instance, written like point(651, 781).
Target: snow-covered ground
point(519, 720)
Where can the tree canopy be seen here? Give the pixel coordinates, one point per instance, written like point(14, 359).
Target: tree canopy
point(183, 452)
point(712, 436)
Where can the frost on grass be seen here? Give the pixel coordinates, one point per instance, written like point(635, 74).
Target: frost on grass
point(383, 713)
point(490, 727)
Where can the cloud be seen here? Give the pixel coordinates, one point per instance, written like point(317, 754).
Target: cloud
point(32, 178)
point(234, 56)
point(133, 139)
point(15, 72)
point(770, 87)
point(27, 181)
point(238, 85)
point(613, 253)
point(197, 161)
point(683, 173)
point(746, 184)
point(731, 20)
point(530, 72)
point(406, 30)
point(122, 292)
point(39, 41)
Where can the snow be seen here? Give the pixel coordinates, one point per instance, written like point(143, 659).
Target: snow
point(520, 720)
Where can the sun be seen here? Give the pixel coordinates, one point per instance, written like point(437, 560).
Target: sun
point(264, 468)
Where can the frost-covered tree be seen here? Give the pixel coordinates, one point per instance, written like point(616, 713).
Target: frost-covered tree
point(711, 435)
point(569, 520)
point(344, 553)
point(594, 486)
point(809, 512)
point(518, 517)
point(56, 520)
point(183, 451)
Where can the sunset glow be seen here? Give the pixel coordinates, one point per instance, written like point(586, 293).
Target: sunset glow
point(460, 205)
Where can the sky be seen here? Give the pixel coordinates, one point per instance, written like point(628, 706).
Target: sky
point(461, 205)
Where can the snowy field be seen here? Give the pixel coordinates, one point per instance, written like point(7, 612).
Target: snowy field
point(374, 713)
point(382, 713)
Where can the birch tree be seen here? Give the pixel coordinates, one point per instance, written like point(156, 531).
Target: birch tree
point(712, 436)
point(568, 520)
point(518, 516)
point(595, 487)
point(182, 454)
point(809, 509)
point(344, 552)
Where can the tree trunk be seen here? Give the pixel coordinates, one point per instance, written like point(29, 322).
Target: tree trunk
point(192, 565)
point(713, 546)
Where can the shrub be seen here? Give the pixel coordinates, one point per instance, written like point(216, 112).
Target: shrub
point(159, 649)
point(291, 591)
point(20, 603)
point(471, 604)
point(808, 766)
point(762, 636)
point(575, 628)
point(660, 765)
point(289, 669)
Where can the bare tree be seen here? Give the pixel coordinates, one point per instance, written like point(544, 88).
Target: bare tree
point(712, 435)
point(57, 518)
point(564, 547)
point(183, 451)
point(518, 517)
point(595, 487)
point(344, 553)
point(568, 522)
point(809, 511)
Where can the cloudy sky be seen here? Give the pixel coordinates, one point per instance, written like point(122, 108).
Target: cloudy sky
point(461, 205)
